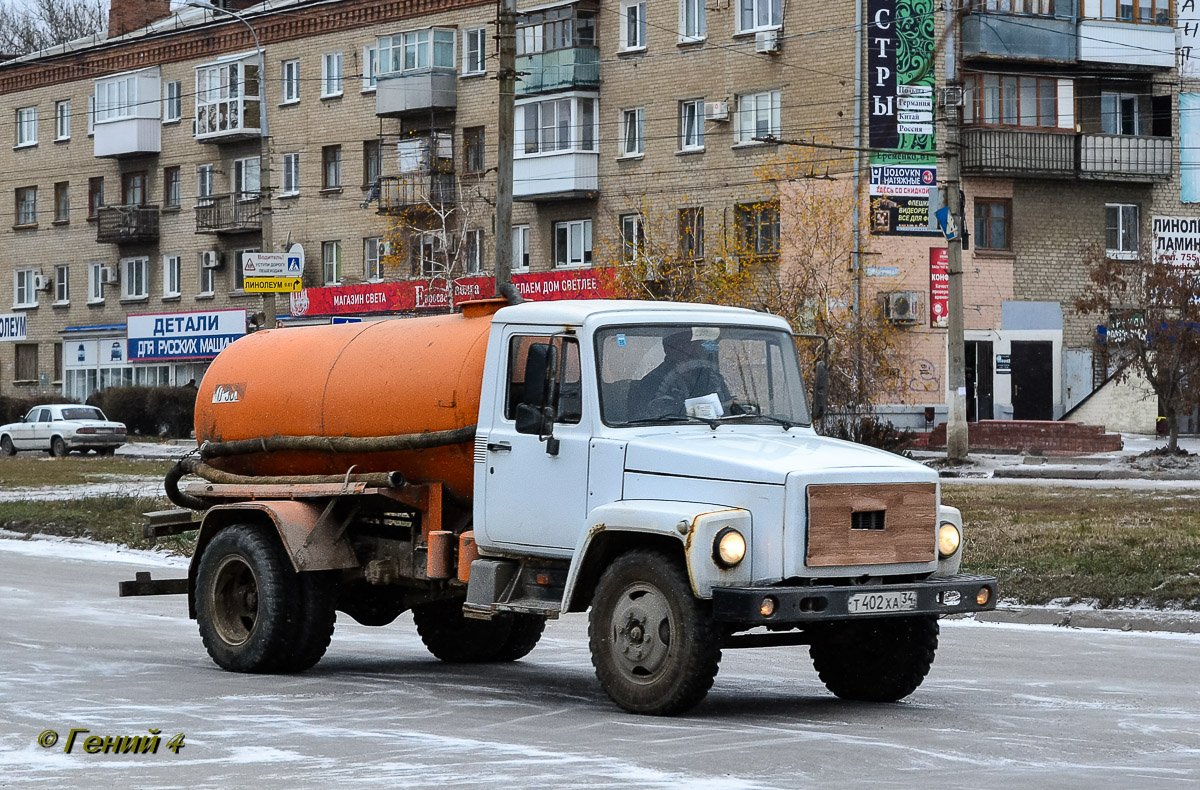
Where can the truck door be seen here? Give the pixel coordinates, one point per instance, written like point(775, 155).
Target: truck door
point(534, 498)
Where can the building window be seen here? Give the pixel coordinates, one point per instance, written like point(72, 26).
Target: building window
point(520, 242)
point(62, 201)
point(759, 15)
point(290, 178)
point(95, 196)
point(472, 260)
point(758, 228)
point(58, 363)
point(208, 274)
point(331, 75)
point(758, 116)
point(1121, 231)
point(433, 261)
point(370, 67)
point(633, 238)
point(691, 125)
point(331, 167)
point(62, 120)
point(24, 294)
point(133, 188)
point(372, 162)
point(62, 284)
point(691, 233)
point(691, 20)
point(473, 142)
point(170, 187)
point(372, 260)
point(633, 132)
point(172, 272)
point(633, 25)
point(27, 118)
point(475, 50)
point(290, 79)
point(1148, 12)
point(95, 282)
point(135, 278)
point(204, 184)
point(172, 101)
point(416, 50)
point(993, 224)
point(26, 363)
point(573, 243)
point(26, 206)
point(1119, 113)
point(1010, 100)
point(331, 259)
point(556, 28)
point(246, 178)
point(558, 125)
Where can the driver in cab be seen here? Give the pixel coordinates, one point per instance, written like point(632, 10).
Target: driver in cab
point(689, 370)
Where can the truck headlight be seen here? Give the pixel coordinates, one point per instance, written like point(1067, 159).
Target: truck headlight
point(729, 547)
point(949, 539)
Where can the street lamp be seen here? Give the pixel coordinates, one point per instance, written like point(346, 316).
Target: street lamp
point(264, 151)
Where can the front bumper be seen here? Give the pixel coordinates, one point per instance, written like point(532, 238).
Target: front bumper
point(798, 605)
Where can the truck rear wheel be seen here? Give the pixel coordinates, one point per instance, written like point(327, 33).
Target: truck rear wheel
point(654, 645)
point(457, 639)
point(877, 660)
point(255, 613)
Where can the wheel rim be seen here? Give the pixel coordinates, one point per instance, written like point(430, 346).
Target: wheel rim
point(643, 629)
point(59, 446)
point(235, 600)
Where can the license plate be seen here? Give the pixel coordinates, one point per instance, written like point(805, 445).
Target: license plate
point(883, 602)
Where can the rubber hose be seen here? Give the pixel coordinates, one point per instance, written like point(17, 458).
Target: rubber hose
point(171, 483)
point(338, 444)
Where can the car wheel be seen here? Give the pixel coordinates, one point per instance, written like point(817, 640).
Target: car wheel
point(58, 447)
point(106, 451)
point(6, 446)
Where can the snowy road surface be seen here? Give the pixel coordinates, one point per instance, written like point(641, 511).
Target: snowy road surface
point(1005, 707)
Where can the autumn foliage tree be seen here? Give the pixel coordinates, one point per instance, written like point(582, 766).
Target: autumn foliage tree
point(1150, 307)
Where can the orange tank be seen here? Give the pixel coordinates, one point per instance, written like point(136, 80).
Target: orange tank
point(384, 378)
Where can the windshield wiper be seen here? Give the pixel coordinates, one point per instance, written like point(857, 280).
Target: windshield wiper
point(670, 418)
point(787, 424)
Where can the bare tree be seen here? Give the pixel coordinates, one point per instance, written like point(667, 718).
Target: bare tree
point(34, 25)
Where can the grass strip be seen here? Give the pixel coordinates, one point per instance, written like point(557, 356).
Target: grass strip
point(111, 519)
point(28, 471)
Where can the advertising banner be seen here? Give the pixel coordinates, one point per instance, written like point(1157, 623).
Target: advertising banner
point(1189, 147)
point(417, 295)
point(939, 287)
point(1187, 38)
point(901, 106)
point(198, 335)
point(13, 326)
point(1177, 240)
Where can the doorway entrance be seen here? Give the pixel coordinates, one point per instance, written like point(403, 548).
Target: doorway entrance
point(979, 380)
point(1033, 380)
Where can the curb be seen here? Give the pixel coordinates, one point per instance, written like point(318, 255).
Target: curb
point(1114, 619)
point(1089, 474)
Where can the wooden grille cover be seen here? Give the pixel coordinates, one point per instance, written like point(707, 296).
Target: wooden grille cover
point(910, 524)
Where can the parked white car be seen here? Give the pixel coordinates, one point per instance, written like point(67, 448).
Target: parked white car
point(60, 428)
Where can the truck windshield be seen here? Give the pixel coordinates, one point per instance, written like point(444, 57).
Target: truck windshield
point(671, 373)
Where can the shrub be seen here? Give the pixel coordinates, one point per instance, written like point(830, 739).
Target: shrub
point(149, 411)
point(875, 433)
point(14, 409)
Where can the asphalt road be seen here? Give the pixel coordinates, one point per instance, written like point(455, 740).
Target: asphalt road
point(1005, 706)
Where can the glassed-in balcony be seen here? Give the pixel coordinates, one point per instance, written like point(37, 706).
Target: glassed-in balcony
point(1020, 30)
point(557, 49)
point(416, 73)
point(126, 114)
point(227, 108)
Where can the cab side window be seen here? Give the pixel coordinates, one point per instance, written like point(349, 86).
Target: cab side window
point(569, 408)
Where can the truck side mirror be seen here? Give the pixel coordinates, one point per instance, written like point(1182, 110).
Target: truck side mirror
point(536, 412)
point(820, 390)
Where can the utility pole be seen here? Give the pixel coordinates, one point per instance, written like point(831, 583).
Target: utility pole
point(956, 374)
point(506, 40)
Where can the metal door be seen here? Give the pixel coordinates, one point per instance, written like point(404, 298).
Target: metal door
point(979, 380)
point(1033, 380)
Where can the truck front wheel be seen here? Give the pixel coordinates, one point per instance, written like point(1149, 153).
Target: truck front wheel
point(456, 639)
point(654, 645)
point(876, 660)
point(256, 614)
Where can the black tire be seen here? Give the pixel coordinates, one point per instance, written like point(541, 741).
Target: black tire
point(877, 660)
point(106, 451)
point(255, 613)
point(526, 632)
point(6, 446)
point(456, 639)
point(58, 447)
point(654, 645)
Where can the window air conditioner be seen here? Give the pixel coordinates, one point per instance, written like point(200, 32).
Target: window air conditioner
point(716, 111)
point(41, 282)
point(767, 41)
point(903, 307)
point(108, 275)
point(210, 259)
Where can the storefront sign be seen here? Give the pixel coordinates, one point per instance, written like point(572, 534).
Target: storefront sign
point(14, 326)
point(1004, 363)
point(199, 335)
point(1177, 240)
point(939, 287)
point(419, 295)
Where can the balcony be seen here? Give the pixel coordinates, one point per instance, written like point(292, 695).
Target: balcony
point(227, 105)
point(127, 137)
point(411, 92)
point(126, 224)
point(239, 212)
point(416, 192)
point(563, 69)
point(556, 176)
point(126, 109)
point(1127, 43)
point(1020, 37)
point(1034, 154)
